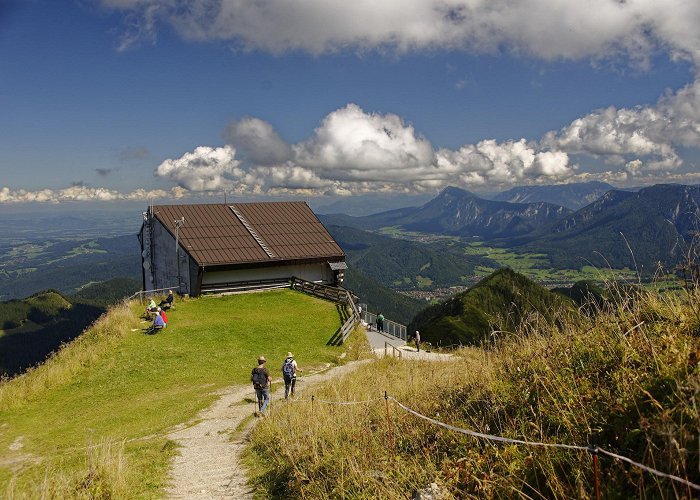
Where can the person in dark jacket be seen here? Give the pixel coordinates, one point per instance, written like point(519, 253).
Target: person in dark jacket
point(167, 303)
point(261, 382)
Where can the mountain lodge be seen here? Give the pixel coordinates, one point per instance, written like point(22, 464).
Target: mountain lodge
point(216, 247)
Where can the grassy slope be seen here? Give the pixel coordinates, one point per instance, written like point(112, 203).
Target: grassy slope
point(467, 317)
point(632, 374)
point(114, 384)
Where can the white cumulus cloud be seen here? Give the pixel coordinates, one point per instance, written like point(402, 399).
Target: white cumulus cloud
point(355, 151)
point(649, 134)
point(83, 193)
point(204, 169)
point(547, 29)
point(351, 144)
point(502, 164)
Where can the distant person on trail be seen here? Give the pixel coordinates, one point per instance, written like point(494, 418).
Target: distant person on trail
point(417, 337)
point(261, 382)
point(167, 303)
point(289, 372)
point(380, 322)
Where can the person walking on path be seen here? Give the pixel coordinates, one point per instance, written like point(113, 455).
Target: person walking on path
point(417, 337)
point(261, 382)
point(289, 372)
point(380, 322)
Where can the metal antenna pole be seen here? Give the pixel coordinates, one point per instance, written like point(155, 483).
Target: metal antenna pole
point(178, 223)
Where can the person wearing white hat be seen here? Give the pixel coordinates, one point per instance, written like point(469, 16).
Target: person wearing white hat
point(289, 372)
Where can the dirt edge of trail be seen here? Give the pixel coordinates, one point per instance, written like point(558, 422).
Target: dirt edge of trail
point(208, 464)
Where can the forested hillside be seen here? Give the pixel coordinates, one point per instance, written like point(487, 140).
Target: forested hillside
point(402, 264)
point(505, 298)
point(380, 298)
point(33, 327)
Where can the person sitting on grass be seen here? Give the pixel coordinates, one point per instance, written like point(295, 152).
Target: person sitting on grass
point(158, 323)
point(167, 302)
point(152, 307)
point(161, 313)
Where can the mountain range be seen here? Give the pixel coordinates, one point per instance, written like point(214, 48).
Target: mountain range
point(460, 213)
point(657, 224)
point(572, 196)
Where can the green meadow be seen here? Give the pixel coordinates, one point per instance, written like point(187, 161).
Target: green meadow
point(91, 421)
point(536, 266)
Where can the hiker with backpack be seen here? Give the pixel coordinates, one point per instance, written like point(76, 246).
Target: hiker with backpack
point(261, 382)
point(380, 322)
point(289, 372)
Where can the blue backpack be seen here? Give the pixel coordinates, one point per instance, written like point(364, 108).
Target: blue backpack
point(288, 368)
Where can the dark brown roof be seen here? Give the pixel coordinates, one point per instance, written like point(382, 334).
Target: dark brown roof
point(215, 235)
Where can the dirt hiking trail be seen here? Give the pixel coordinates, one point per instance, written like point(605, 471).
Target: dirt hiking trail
point(208, 465)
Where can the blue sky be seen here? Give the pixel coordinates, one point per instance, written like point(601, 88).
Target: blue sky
point(136, 99)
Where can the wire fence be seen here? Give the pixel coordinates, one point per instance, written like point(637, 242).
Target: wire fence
point(592, 449)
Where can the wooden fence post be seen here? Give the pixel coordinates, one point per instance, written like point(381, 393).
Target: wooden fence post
point(595, 473)
point(593, 449)
point(391, 430)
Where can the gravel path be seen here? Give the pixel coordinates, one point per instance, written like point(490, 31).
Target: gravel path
point(208, 466)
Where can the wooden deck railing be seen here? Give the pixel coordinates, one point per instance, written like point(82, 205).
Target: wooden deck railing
point(240, 286)
point(148, 293)
point(336, 294)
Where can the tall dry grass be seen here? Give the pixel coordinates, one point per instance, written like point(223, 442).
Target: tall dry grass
point(625, 378)
point(101, 475)
point(70, 359)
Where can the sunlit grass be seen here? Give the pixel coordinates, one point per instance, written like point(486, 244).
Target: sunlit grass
point(113, 385)
point(630, 375)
